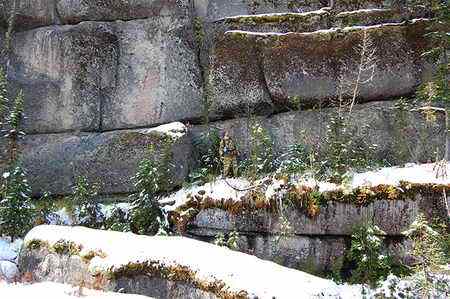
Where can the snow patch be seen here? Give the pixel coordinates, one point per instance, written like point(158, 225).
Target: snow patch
point(175, 130)
point(53, 290)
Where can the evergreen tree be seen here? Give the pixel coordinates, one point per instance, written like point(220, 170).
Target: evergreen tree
point(3, 97)
point(365, 251)
point(16, 209)
point(153, 177)
point(85, 196)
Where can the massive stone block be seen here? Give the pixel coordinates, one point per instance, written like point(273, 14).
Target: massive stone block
point(110, 159)
point(311, 66)
point(39, 13)
point(158, 76)
point(213, 10)
point(75, 11)
point(103, 76)
point(308, 68)
point(29, 13)
point(334, 219)
point(235, 78)
point(65, 73)
point(400, 135)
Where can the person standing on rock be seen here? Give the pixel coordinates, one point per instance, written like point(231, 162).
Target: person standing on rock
point(228, 155)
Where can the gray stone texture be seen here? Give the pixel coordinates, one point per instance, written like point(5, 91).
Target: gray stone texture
point(217, 9)
point(110, 159)
point(157, 75)
point(400, 135)
point(40, 13)
point(65, 73)
point(46, 265)
point(248, 71)
point(334, 219)
point(100, 75)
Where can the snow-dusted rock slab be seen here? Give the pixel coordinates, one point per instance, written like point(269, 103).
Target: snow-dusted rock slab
point(403, 193)
point(109, 158)
point(164, 267)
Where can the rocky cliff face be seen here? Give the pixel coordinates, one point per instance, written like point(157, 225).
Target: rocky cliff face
point(95, 73)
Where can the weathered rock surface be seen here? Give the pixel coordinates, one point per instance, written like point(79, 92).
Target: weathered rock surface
point(248, 70)
point(75, 11)
point(29, 13)
point(39, 13)
point(157, 75)
point(102, 76)
point(335, 219)
point(306, 253)
point(56, 254)
point(110, 159)
point(400, 135)
point(216, 9)
point(65, 73)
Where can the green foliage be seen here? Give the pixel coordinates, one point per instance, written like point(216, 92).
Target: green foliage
point(438, 89)
point(3, 96)
point(343, 151)
point(45, 208)
point(261, 159)
point(365, 252)
point(294, 161)
point(430, 251)
point(84, 195)
point(426, 248)
point(207, 156)
point(152, 178)
point(117, 221)
point(16, 114)
point(16, 208)
point(230, 240)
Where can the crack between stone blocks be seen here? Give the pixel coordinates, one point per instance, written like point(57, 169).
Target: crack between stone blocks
point(262, 75)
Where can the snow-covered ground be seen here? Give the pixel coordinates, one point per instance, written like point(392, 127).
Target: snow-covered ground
point(52, 290)
point(209, 263)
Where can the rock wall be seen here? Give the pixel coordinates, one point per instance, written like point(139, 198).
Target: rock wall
point(318, 243)
point(95, 73)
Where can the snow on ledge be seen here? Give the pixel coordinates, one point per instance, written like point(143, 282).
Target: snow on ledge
point(236, 188)
point(175, 130)
point(210, 263)
point(53, 290)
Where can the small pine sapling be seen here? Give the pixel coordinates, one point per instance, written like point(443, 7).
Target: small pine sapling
point(427, 252)
point(366, 252)
point(152, 178)
point(17, 211)
point(84, 195)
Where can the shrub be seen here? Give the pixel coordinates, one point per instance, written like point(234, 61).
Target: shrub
point(294, 161)
point(207, 148)
point(118, 220)
point(84, 195)
point(17, 211)
point(261, 160)
point(427, 251)
point(153, 177)
point(230, 240)
point(365, 252)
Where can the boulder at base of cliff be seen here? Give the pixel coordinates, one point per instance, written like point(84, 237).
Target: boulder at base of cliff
point(162, 267)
